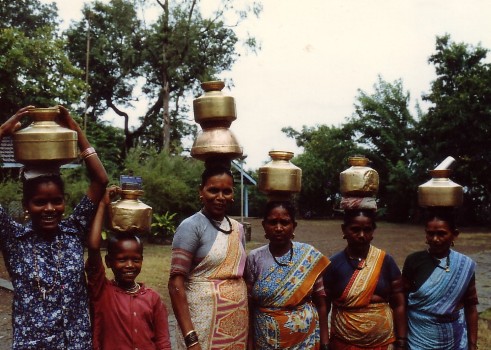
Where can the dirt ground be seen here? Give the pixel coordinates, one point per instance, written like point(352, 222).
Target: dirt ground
point(398, 240)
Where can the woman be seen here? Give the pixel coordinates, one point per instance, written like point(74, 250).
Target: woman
point(364, 286)
point(207, 291)
point(441, 290)
point(45, 257)
point(284, 279)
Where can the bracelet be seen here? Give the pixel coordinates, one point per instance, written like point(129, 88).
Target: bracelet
point(324, 347)
point(90, 155)
point(87, 152)
point(400, 343)
point(191, 338)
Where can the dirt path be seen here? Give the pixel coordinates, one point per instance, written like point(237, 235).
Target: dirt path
point(397, 240)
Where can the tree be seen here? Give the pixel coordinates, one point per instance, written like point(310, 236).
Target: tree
point(33, 66)
point(458, 124)
point(326, 150)
point(384, 129)
point(170, 57)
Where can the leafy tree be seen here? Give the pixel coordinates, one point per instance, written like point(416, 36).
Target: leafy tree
point(169, 57)
point(170, 182)
point(33, 66)
point(385, 129)
point(27, 16)
point(458, 124)
point(326, 149)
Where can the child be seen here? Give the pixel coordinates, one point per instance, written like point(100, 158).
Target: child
point(126, 314)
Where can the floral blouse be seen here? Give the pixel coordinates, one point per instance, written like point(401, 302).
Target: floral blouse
point(50, 307)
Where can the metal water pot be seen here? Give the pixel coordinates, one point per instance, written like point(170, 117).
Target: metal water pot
point(45, 141)
point(279, 178)
point(129, 214)
point(440, 191)
point(215, 112)
point(359, 180)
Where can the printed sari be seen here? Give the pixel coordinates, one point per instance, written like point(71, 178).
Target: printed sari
point(434, 322)
point(284, 316)
point(217, 295)
point(354, 320)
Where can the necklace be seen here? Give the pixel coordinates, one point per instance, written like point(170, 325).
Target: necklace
point(362, 263)
point(283, 264)
point(42, 289)
point(132, 290)
point(216, 225)
point(438, 262)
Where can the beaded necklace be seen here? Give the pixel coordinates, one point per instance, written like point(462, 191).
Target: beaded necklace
point(438, 262)
point(283, 264)
point(132, 290)
point(42, 289)
point(216, 224)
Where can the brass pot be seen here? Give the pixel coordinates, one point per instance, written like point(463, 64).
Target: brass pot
point(129, 214)
point(216, 142)
point(279, 178)
point(214, 108)
point(440, 191)
point(359, 180)
point(45, 141)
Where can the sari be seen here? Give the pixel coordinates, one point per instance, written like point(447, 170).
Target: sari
point(434, 320)
point(284, 316)
point(355, 322)
point(217, 295)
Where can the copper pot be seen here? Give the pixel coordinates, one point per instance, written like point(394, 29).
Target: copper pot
point(440, 191)
point(279, 178)
point(45, 141)
point(129, 214)
point(359, 180)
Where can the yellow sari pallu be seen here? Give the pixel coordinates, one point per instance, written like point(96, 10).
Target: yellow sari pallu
point(354, 319)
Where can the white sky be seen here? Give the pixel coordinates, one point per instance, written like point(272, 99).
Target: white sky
point(316, 54)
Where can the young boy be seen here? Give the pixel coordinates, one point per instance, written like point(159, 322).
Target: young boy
point(126, 314)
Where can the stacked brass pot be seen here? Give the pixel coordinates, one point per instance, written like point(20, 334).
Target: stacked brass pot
point(215, 112)
point(440, 191)
point(128, 214)
point(279, 179)
point(44, 142)
point(358, 184)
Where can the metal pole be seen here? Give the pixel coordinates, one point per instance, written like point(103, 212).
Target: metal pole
point(241, 162)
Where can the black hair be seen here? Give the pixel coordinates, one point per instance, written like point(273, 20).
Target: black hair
point(447, 214)
point(30, 186)
point(213, 171)
point(351, 214)
point(277, 204)
point(114, 239)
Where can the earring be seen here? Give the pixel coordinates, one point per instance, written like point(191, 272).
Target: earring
point(26, 215)
point(293, 235)
point(426, 242)
point(452, 244)
point(344, 236)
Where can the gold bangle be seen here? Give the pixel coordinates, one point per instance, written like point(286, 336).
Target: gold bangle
point(90, 155)
point(191, 345)
point(87, 152)
point(188, 333)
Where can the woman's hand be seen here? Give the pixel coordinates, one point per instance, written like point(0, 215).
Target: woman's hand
point(66, 120)
point(13, 123)
point(111, 192)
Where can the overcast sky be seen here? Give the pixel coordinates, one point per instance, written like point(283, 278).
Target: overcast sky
point(316, 54)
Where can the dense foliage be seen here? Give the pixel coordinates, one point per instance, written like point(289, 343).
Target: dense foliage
point(403, 147)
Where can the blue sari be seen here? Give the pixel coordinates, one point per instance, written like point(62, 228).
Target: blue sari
point(433, 318)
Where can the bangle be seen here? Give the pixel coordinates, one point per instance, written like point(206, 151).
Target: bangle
point(400, 343)
point(191, 338)
point(87, 152)
point(324, 347)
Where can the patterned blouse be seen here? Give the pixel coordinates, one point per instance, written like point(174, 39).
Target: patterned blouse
point(50, 307)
